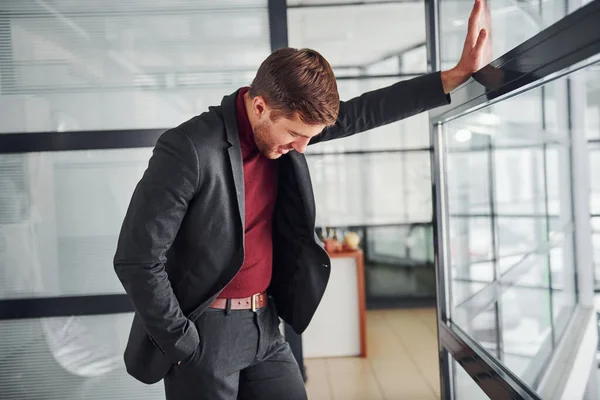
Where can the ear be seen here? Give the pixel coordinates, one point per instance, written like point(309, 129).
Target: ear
point(259, 106)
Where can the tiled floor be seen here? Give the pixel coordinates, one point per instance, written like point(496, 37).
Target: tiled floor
point(401, 364)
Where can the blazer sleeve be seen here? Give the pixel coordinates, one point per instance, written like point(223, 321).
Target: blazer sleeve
point(157, 208)
point(383, 106)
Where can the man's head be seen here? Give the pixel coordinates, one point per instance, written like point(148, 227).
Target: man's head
point(293, 97)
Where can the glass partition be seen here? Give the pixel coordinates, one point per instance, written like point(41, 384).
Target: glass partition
point(69, 358)
point(511, 230)
point(512, 202)
point(368, 49)
point(590, 80)
point(81, 65)
point(509, 23)
point(60, 215)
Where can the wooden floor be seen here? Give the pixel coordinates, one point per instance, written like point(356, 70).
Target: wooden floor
point(401, 364)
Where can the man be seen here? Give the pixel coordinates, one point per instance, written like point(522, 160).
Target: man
point(218, 242)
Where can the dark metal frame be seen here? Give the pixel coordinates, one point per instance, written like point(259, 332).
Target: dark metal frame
point(278, 25)
point(492, 377)
point(31, 142)
point(46, 307)
point(556, 51)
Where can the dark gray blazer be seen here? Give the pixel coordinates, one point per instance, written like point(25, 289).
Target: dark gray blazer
point(182, 239)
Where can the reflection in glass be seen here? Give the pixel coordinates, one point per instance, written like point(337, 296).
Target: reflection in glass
point(590, 80)
point(596, 247)
point(469, 192)
point(510, 226)
point(399, 263)
point(464, 386)
point(471, 249)
point(526, 323)
point(399, 266)
point(519, 235)
point(520, 174)
point(408, 244)
point(509, 24)
point(463, 290)
point(594, 151)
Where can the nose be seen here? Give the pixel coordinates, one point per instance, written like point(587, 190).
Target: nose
point(300, 144)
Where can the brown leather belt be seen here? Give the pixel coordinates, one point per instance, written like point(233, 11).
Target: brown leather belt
point(253, 302)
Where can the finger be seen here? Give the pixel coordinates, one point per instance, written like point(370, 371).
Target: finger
point(472, 32)
point(480, 41)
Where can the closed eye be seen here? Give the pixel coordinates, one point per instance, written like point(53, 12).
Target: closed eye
point(296, 134)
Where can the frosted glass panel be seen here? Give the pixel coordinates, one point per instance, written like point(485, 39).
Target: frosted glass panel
point(511, 229)
point(60, 215)
point(89, 65)
point(358, 35)
point(69, 358)
point(411, 133)
point(371, 188)
point(509, 24)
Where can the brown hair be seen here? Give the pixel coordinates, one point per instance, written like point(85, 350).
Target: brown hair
point(298, 81)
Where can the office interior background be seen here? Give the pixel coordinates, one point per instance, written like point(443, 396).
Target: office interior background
point(497, 192)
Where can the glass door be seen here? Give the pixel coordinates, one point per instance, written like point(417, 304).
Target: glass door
point(511, 197)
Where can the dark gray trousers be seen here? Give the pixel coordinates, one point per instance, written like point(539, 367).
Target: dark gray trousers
point(242, 355)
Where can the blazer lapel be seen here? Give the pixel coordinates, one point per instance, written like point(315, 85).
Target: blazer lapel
point(235, 151)
point(304, 184)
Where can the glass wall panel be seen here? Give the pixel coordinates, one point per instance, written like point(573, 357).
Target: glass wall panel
point(590, 80)
point(464, 386)
point(509, 23)
point(354, 189)
point(511, 226)
point(596, 248)
point(60, 215)
point(362, 36)
point(69, 358)
point(594, 148)
point(351, 177)
point(399, 261)
point(411, 133)
point(71, 66)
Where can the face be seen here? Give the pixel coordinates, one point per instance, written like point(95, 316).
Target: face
point(278, 137)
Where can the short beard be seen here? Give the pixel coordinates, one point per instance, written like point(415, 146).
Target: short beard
point(260, 136)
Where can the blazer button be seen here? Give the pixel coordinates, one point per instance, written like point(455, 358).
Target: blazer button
point(326, 266)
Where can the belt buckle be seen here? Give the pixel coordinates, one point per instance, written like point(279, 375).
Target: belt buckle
point(254, 302)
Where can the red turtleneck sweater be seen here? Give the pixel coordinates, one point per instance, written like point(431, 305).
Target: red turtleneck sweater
point(260, 184)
